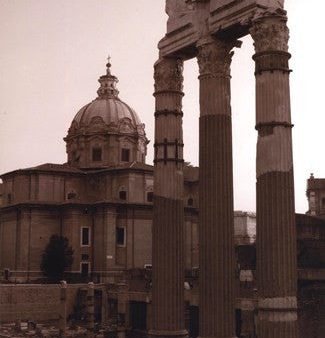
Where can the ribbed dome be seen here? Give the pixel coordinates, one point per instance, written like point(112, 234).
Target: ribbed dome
point(110, 110)
point(107, 108)
point(106, 131)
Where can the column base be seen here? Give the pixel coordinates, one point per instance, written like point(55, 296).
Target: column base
point(167, 334)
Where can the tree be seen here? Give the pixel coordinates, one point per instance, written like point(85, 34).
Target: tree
point(57, 257)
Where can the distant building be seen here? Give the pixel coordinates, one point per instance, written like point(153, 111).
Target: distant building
point(245, 227)
point(316, 196)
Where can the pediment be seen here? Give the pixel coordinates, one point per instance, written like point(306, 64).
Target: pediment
point(125, 141)
point(140, 129)
point(97, 120)
point(98, 138)
point(125, 126)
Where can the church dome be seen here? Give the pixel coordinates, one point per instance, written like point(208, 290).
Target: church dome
point(106, 131)
point(109, 110)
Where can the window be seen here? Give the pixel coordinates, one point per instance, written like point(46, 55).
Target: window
point(150, 196)
point(6, 274)
point(120, 236)
point(85, 236)
point(84, 257)
point(97, 154)
point(125, 156)
point(190, 202)
point(71, 195)
point(84, 268)
point(122, 195)
point(9, 198)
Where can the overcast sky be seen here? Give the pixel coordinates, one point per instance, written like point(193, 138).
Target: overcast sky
point(53, 52)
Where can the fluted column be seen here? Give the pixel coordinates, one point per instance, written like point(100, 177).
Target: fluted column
point(276, 232)
point(216, 215)
point(168, 208)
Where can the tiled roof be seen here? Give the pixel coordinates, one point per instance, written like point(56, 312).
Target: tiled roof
point(55, 167)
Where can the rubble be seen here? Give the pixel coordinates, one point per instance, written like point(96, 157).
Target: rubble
point(31, 329)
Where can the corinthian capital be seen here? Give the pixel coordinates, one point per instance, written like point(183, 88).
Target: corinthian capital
point(168, 75)
point(270, 34)
point(214, 57)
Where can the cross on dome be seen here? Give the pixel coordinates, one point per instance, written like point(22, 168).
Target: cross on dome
point(108, 83)
point(108, 65)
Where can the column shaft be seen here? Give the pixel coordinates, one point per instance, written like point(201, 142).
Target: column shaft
point(90, 310)
point(168, 209)
point(216, 215)
point(276, 231)
point(63, 309)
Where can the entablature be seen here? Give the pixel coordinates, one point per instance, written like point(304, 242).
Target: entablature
point(190, 20)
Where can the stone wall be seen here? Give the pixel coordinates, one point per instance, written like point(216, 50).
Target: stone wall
point(34, 302)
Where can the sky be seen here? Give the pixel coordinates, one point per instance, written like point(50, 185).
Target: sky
point(53, 52)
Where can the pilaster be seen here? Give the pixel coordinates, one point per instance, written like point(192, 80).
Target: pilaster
point(216, 216)
point(168, 209)
point(276, 232)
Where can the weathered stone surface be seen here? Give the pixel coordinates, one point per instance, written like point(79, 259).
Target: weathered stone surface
point(37, 302)
point(167, 312)
point(190, 20)
point(216, 283)
point(276, 232)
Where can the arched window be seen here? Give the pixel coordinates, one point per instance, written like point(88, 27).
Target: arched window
point(122, 195)
point(190, 202)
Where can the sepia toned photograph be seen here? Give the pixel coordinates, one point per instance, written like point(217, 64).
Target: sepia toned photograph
point(161, 169)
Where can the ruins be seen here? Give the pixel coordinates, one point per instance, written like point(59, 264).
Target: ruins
point(179, 262)
point(209, 30)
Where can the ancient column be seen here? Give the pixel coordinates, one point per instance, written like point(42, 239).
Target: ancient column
point(123, 308)
point(216, 215)
point(63, 309)
point(276, 232)
point(90, 310)
point(168, 209)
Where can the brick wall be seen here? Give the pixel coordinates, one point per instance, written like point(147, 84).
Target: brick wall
point(34, 302)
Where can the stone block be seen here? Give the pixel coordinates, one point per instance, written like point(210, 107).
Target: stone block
point(190, 20)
